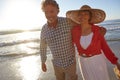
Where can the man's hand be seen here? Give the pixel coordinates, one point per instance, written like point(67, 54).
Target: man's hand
point(103, 31)
point(44, 67)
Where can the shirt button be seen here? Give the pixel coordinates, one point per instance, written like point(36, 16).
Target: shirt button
point(84, 54)
point(90, 54)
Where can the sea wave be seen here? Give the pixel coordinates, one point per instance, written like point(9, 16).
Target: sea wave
point(3, 44)
point(6, 57)
point(113, 39)
point(113, 28)
point(5, 32)
point(110, 24)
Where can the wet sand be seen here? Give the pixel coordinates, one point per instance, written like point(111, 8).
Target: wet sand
point(29, 68)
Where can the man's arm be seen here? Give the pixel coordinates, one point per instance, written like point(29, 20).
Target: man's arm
point(43, 48)
point(72, 23)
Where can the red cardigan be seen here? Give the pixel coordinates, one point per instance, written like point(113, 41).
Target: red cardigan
point(97, 44)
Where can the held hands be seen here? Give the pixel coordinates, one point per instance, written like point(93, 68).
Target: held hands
point(44, 67)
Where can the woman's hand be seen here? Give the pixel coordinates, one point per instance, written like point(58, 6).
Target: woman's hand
point(118, 66)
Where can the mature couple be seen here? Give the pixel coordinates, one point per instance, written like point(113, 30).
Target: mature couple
point(61, 37)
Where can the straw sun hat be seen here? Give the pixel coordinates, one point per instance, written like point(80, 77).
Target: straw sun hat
point(98, 15)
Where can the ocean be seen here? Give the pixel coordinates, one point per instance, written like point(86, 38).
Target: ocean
point(16, 44)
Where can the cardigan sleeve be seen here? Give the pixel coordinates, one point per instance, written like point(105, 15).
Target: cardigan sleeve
point(107, 51)
point(73, 33)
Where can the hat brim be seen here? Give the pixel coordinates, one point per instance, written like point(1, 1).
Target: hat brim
point(98, 15)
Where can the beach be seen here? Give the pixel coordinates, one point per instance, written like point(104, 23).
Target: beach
point(20, 59)
point(29, 67)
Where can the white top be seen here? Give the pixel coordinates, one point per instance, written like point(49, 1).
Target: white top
point(86, 40)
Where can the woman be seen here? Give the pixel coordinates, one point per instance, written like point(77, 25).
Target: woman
point(89, 42)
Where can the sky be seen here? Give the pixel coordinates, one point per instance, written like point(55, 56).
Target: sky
point(27, 14)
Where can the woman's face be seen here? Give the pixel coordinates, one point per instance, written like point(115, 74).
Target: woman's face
point(84, 17)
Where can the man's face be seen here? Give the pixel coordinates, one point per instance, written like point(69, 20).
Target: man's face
point(51, 13)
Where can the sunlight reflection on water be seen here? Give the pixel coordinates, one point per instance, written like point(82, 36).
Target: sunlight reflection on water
point(27, 48)
point(27, 35)
point(29, 68)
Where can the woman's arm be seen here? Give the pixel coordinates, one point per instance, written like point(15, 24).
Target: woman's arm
point(118, 65)
point(107, 51)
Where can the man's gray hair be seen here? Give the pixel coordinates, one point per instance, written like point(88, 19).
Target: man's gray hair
point(49, 2)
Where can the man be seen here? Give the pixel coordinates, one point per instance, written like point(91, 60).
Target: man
point(56, 34)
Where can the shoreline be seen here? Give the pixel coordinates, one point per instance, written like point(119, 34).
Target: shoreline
point(29, 68)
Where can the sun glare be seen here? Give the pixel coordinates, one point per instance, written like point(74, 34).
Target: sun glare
point(21, 14)
point(29, 68)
